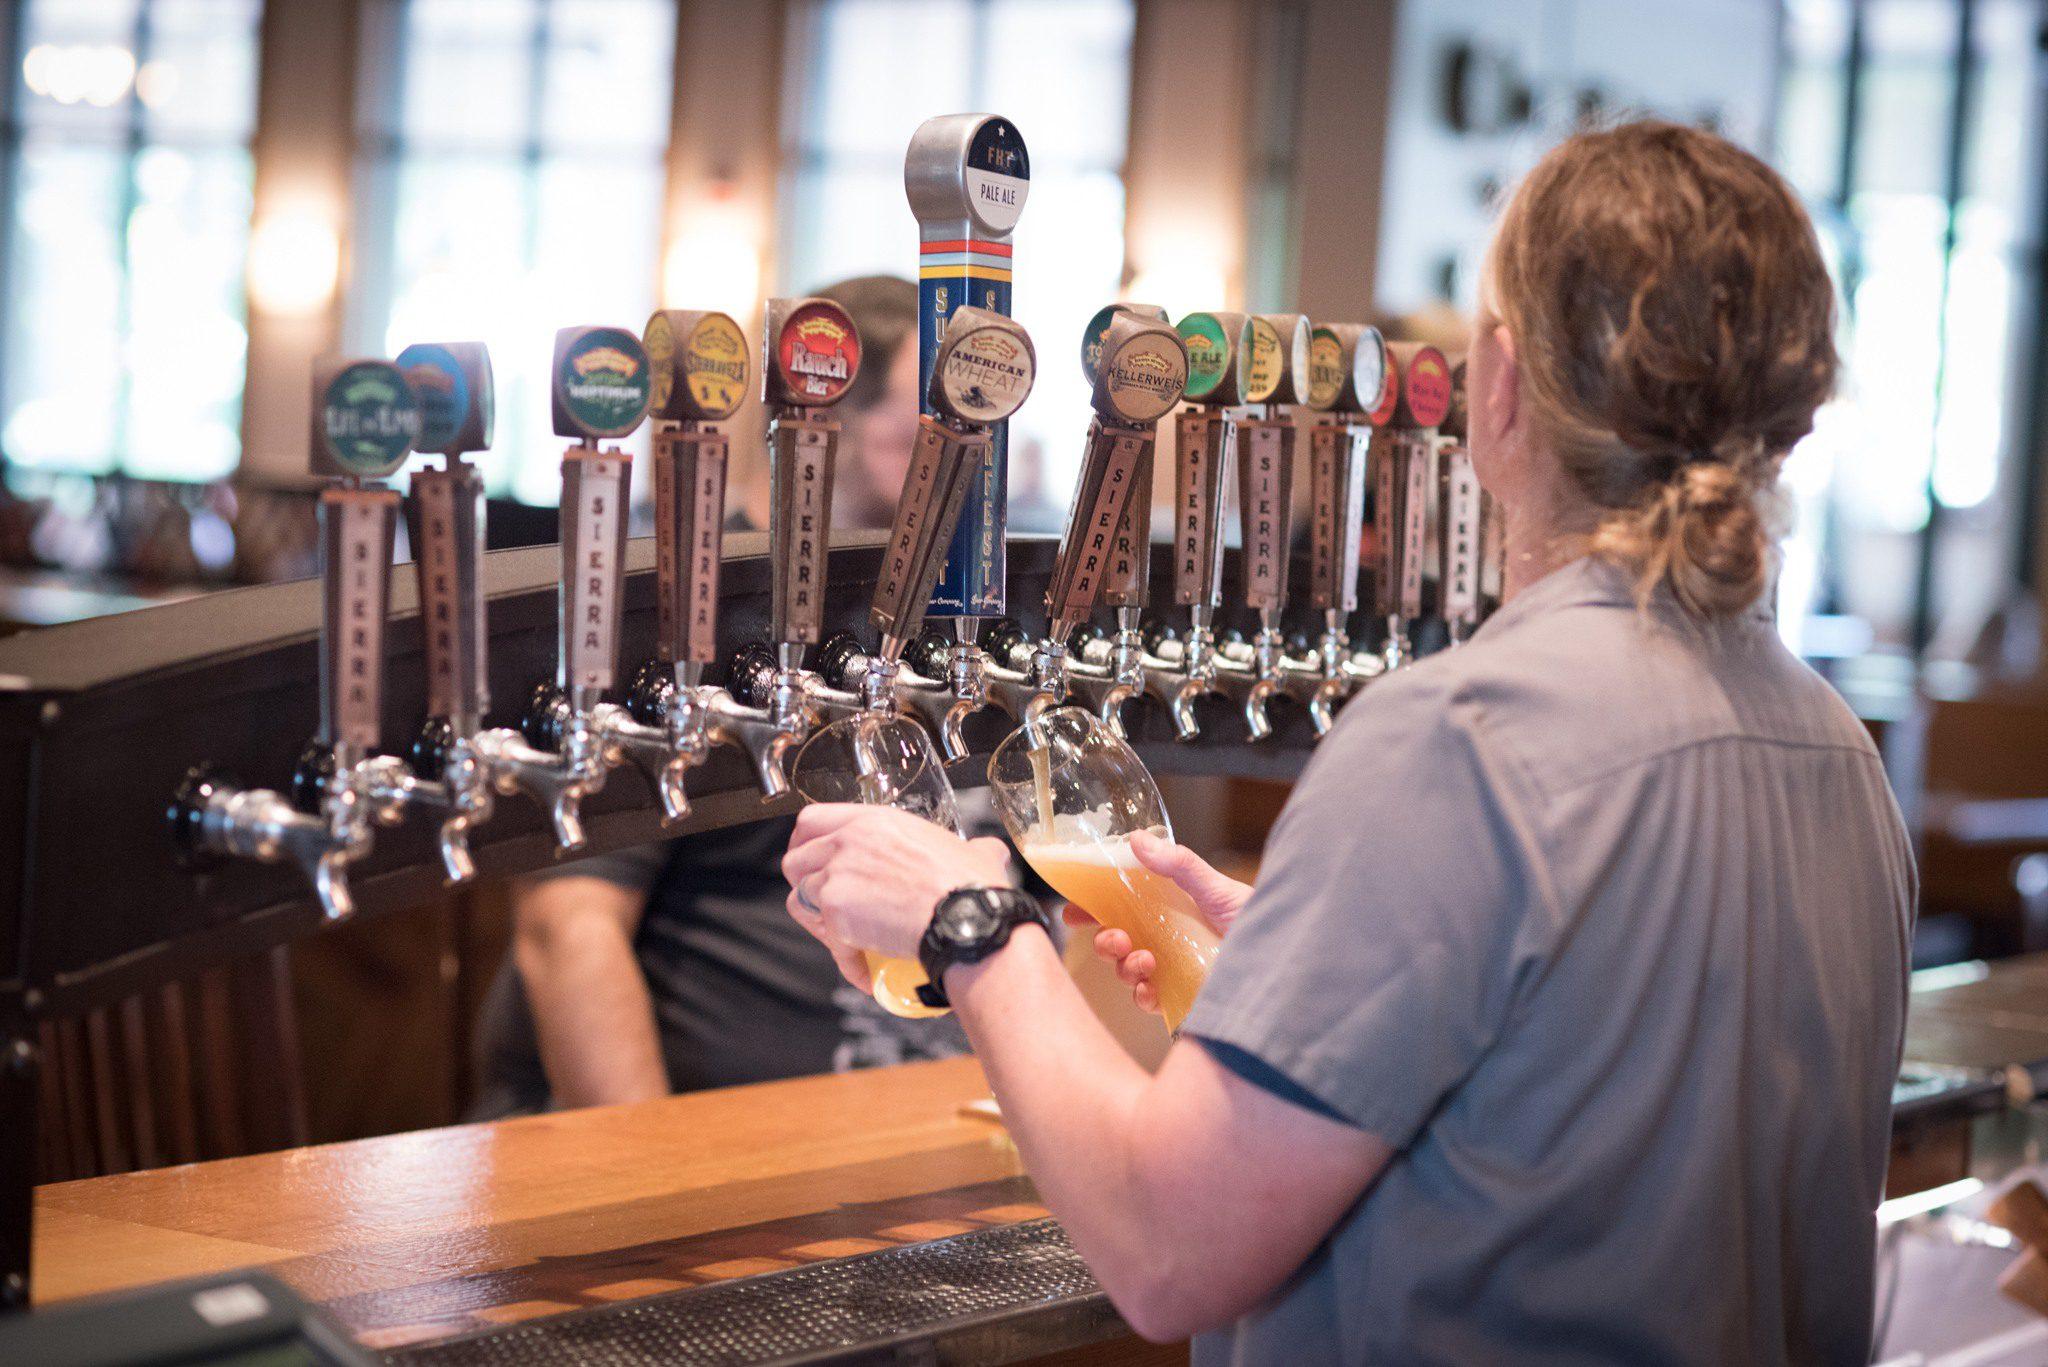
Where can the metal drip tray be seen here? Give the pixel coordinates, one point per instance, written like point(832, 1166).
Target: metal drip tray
point(993, 1295)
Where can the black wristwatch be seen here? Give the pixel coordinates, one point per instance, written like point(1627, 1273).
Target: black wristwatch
point(968, 925)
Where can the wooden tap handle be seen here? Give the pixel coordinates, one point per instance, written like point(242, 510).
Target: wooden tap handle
point(356, 531)
point(594, 492)
point(801, 448)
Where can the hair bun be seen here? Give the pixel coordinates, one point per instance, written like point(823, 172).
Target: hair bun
point(1674, 327)
point(1719, 538)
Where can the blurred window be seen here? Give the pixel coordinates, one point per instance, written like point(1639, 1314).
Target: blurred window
point(1906, 125)
point(868, 72)
point(125, 187)
point(511, 179)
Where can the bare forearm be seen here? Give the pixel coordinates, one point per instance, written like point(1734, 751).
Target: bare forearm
point(1192, 1193)
point(592, 1013)
point(1070, 1097)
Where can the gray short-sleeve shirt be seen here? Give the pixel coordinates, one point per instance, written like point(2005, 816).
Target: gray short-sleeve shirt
point(1602, 922)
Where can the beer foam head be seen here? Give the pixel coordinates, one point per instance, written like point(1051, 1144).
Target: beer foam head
point(1083, 838)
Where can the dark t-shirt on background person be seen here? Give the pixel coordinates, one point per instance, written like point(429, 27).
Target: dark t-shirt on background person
point(740, 992)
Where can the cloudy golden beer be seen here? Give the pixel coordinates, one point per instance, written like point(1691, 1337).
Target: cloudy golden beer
point(1102, 877)
point(896, 984)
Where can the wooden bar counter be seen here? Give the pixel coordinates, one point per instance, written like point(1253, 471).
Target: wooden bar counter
point(419, 1239)
point(414, 1238)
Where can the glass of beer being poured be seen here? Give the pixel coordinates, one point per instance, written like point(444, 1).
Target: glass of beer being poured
point(1071, 794)
point(885, 761)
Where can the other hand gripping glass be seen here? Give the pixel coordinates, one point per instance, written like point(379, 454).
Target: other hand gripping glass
point(885, 761)
point(1071, 794)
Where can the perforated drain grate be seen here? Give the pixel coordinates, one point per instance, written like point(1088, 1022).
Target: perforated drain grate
point(990, 1295)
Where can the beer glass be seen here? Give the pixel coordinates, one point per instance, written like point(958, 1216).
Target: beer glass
point(886, 761)
point(1071, 794)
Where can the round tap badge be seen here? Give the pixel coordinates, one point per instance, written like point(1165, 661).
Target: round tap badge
point(1208, 353)
point(659, 337)
point(818, 353)
point(1294, 333)
point(998, 175)
point(1368, 367)
point(1091, 340)
point(443, 386)
point(1382, 410)
point(1264, 361)
point(1146, 376)
point(1428, 386)
point(369, 418)
point(1346, 365)
point(601, 378)
point(1325, 369)
point(715, 366)
point(985, 375)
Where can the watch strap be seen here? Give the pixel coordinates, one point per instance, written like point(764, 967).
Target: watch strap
point(938, 953)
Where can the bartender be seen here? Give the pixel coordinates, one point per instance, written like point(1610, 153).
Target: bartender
point(1562, 1021)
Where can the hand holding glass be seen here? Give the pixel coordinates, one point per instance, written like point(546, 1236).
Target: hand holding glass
point(1071, 794)
point(884, 761)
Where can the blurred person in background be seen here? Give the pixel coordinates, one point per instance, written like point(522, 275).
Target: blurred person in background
point(671, 966)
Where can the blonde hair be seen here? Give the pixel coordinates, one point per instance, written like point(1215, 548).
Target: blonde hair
point(1674, 324)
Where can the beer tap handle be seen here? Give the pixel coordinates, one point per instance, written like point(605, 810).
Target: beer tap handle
point(690, 463)
point(1405, 482)
point(800, 461)
point(1206, 439)
point(600, 390)
point(1141, 373)
point(1204, 447)
point(943, 460)
point(813, 355)
point(357, 526)
point(595, 489)
point(981, 374)
point(1461, 526)
point(365, 420)
point(1109, 472)
point(1127, 584)
point(1278, 366)
point(449, 557)
point(966, 177)
point(1347, 364)
point(453, 384)
point(1462, 535)
point(602, 384)
point(698, 378)
point(1337, 465)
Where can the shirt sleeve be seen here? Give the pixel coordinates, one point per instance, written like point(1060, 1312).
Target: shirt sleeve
point(635, 868)
point(1375, 963)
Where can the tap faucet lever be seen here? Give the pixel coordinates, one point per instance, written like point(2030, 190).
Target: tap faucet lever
point(1403, 487)
point(601, 388)
point(697, 377)
point(453, 380)
point(1276, 377)
point(1219, 379)
point(981, 373)
point(1463, 534)
point(1349, 381)
point(365, 420)
point(811, 356)
point(1138, 367)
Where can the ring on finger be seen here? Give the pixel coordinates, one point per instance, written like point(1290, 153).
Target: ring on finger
point(804, 898)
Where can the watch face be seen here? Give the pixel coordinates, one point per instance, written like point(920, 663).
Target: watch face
point(967, 917)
